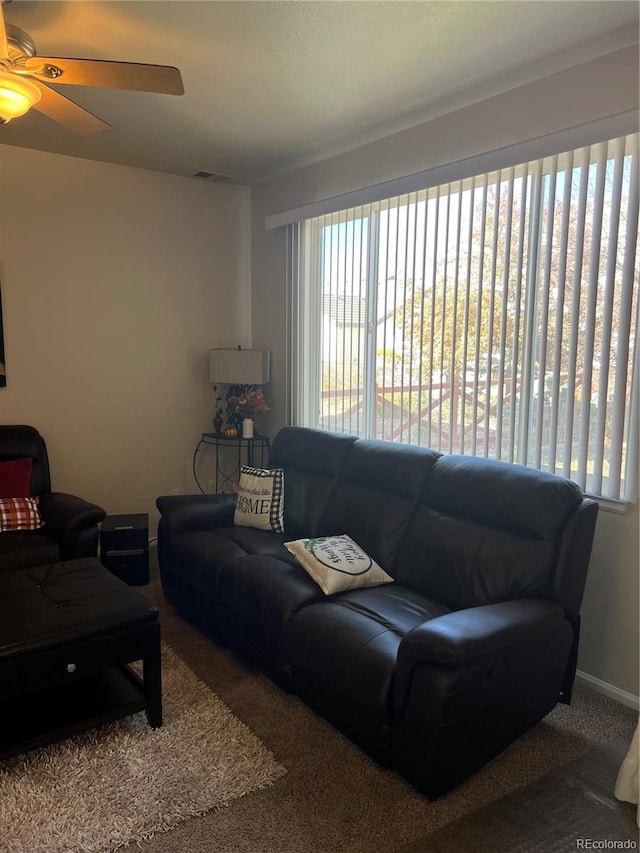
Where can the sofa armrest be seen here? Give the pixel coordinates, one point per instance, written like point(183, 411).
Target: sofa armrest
point(72, 522)
point(477, 635)
point(470, 682)
point(63, 514)
point(195, 512)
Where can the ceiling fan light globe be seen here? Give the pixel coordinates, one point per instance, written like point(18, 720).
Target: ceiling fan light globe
point(17, 96)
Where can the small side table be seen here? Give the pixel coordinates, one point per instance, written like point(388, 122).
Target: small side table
point(243, 451)
point(124, 547)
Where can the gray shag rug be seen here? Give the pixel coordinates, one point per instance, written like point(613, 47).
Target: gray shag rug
point(124, 781)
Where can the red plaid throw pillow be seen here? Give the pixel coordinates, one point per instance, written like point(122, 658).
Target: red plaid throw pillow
point(19, 514)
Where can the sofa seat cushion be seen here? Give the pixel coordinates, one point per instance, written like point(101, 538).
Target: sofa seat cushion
point(199, 555)
point(264, 592)
point(248, 540)
point(21, 549)
point(347, 646)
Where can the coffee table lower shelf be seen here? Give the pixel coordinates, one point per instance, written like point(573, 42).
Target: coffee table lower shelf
point(41, 718)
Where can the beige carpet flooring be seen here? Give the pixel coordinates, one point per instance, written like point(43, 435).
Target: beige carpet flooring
point(100, 789)
point(334, 799)
point(566, 807)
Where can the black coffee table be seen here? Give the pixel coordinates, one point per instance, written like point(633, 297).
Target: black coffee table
point(67, 634)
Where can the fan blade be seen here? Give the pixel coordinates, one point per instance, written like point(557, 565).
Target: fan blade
point(4, 45)
point(163, 79)
point(61, 109)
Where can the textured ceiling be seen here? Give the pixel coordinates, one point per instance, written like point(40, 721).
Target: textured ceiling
point(273, 85)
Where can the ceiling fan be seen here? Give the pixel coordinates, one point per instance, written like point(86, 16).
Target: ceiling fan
point(24, 77)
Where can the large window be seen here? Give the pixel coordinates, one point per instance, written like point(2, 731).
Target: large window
point(493, 316)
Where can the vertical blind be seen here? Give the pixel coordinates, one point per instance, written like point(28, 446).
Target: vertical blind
point(492, 316)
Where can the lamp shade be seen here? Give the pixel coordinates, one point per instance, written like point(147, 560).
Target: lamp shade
point(17, 96)
point(239, 366)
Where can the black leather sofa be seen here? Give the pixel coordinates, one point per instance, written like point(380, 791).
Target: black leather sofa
point(434, 674)
point(70, 523)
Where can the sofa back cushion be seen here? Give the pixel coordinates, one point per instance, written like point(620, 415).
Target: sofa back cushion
point(377, 495)
point(312, 461)
point(485, 531)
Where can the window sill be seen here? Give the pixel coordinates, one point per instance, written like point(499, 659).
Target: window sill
point(610, 504)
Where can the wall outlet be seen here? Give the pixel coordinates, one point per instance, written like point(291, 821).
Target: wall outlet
point(176, 491)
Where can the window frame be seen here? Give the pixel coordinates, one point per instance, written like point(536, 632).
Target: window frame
point(305, 379)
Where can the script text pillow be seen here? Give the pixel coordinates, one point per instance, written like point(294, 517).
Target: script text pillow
point(15, 478)
point(337, 563)
point(19, 514)
point(260, 499)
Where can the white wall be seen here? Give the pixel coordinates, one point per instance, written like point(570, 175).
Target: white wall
point(115, 283)
point(594, 90)
point(610, 632)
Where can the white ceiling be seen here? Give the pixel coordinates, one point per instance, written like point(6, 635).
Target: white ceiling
point(273, 84)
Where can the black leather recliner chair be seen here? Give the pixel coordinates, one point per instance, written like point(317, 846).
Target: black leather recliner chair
point(70, 523)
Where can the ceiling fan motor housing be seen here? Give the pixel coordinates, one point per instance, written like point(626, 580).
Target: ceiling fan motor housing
point(21, 44)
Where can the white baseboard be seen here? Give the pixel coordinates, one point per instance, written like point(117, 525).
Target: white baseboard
point(609, 690)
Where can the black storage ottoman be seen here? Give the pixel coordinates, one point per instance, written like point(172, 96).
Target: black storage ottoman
point(67, 634)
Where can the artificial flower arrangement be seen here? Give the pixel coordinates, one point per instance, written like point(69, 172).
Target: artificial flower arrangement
point(245, 401)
